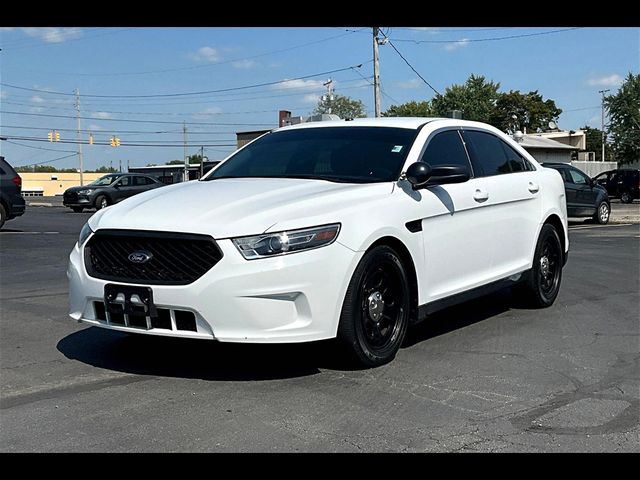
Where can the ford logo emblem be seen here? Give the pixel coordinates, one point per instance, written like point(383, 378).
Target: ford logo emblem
point(141, 256)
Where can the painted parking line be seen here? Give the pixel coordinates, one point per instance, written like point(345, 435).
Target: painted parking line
point(600, 226)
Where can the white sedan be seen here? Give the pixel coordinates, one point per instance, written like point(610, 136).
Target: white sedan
point(348, 229)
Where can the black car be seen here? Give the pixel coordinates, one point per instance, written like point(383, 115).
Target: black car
point(622, 183)
point(585, 198)
point(108, 190)
point(11, 202)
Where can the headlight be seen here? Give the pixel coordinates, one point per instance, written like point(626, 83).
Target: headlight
point(281, 243)
point(84, 234)
point(85, 192)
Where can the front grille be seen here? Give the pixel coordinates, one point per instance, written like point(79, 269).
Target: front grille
point(70, 197)
point(176, 258)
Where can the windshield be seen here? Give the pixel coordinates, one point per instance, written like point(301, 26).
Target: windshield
point(339, 154)
point(104, 181)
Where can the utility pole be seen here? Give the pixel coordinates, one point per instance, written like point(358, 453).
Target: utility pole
point(602, 103)
point(201, 161)
point(78, 134)
point(376, 72)
point(329, 96)
point(186, 160)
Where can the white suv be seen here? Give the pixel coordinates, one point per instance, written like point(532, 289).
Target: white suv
point(348, 229)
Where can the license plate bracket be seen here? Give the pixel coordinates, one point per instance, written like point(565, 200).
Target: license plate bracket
point(128, 300)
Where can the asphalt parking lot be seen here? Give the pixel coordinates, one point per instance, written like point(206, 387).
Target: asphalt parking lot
point(483, 376)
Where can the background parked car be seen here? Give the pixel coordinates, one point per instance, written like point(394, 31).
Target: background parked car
point(11, 202)
point(585, 198)
point(108, 190)
point(622, 183)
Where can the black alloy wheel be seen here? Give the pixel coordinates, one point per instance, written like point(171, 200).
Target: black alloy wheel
point(375, 312)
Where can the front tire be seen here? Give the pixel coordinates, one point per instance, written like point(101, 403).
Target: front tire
point(542, 284)
point(102, 202)
point(603, 212)
point(626, 197)
point(375, 312)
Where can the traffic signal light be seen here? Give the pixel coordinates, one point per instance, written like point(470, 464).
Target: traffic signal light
point(50, 136)
point(57, 136)
point(115, 141)
point(91, 139)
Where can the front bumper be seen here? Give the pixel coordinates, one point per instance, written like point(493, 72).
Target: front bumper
point(78, 201)
point(285, 299)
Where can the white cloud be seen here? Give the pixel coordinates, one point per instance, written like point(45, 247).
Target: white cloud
point(37, 99)
point(298, 84)
point(431, 30)
point(205, 54)
point(53, 34)
point(449, 47)
point(101, 115)
point(244, 63)
point(36, 109)
point(413, 83)
point(93, 126)
point(614, 80)
point(207, 113)
point(311, 98)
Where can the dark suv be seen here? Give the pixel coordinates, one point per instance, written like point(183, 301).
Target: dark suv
point(11, 202)
point(108, 190)
point(585, 198)
point(621, 183)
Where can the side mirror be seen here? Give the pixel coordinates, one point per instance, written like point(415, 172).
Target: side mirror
point(418, 174)
point(421, 174)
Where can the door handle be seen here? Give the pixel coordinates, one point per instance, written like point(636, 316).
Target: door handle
point(481, 195)
point(533, 187)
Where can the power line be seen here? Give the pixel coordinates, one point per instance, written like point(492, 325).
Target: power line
point(47, 161)
point(411, 67)
point(40, 148)
point(139, 144)
point(182, 94)
point(491, 39)
point(42, 43)
point(130, 120)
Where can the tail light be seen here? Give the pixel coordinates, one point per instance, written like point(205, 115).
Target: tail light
point(17, 181)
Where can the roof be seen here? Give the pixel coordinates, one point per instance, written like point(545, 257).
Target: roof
point(534, 141)
point(397, 122)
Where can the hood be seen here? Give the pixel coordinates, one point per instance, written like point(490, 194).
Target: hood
point(235, 207)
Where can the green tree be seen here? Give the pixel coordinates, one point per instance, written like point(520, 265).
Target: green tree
point(526, 112)
point(105, 169)
point(341, 105)
point(410, 109)
point(624, 120)
point(594, 143)
point(476, 99)
point(192, 159)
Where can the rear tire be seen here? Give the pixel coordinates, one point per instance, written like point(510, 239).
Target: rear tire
point(102, 202)
point(603, 212)
point(77, 209)
point(3, 215)
point(375, 312)
point(626, 197)
point(542, 284)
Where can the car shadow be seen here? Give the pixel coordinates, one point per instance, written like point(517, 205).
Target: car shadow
point(11, 230)
point(460, 316)
point(188, 358)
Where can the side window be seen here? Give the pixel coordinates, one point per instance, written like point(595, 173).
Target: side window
point(140, 181)
point(577, 177)
point(124, 181)
point(517, 162)
point(566, 176)
point(149, 180)
point(487, 154)
point(446, 148)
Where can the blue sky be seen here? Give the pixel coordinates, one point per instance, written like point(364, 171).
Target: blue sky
point(567, 66)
